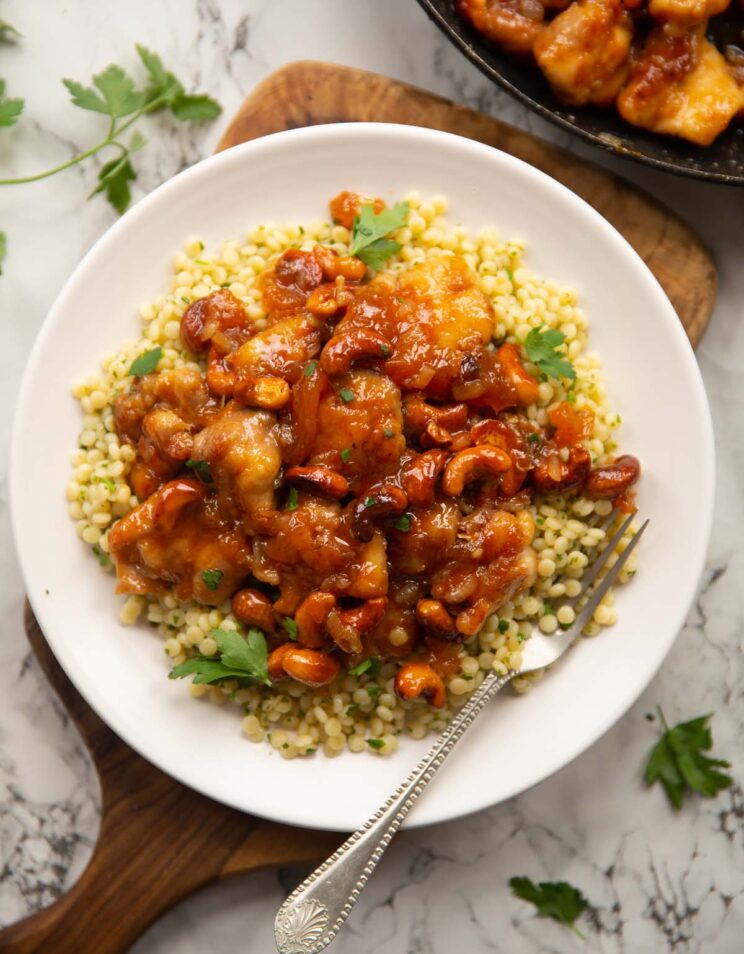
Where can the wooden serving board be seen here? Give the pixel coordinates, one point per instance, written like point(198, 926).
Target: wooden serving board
point(159, 841)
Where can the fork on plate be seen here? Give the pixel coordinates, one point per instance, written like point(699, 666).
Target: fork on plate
point(314, 913)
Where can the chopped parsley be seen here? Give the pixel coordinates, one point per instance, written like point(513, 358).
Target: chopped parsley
point(371, 665)
point(292, 498)
point(290, 626)
point(212, 579)
point(345, 454)
point(385, 351)
point(503, 625)
point(346, 395)
point(146, 362)
point(370, 501)
point(350, 710)
point(376, 744)
point(373, 690)
point(310, 369)
point(403, 523)
point(542, 349)
point(103, 558)
point(388, 432)
point(109, 483)
point(200, 468)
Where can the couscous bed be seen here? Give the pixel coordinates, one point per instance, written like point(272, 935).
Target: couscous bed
point(369, 699)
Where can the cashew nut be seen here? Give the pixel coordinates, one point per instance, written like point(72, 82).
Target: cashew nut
point(254, 608)
point(526, 387)
point(436, 619)
point(267, 391)
point(346, 627)
point(334, 265)
point(344, 349)
point(308, 666)
point(472, 463)
point(419, 477)
point(320, 480)
point(419, 414)
point(311, 616)
point(419, 679)
point(606, 482)
point(381, 500)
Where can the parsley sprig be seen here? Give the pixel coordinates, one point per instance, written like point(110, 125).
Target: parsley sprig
point(3, 250)
point(679, 763)
point(553, 899)
point(240, 658)
point(370, 230)
point(113, 93)
point(542, 347)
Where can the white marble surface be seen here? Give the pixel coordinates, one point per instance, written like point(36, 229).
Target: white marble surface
point(657, 882)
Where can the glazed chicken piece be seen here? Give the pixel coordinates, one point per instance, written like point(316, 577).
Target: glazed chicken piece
point(177, 541)
point(218, 320)
point(432, 532)
point(442, 318)
point(513, 24)
point(681, 85)
point(360, 415)
point(585, 51)
point(164, 444)
point(182, 391)
point(682, 14)
point(243, 456)
point(313, 547)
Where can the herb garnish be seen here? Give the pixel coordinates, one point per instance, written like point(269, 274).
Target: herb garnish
point(370, 501)
point(370, 228)
point(103, 558)
point(371, 665)
point(146, 362)
point(553, 899)
point(350, 710)
point(345, 454)
point(346, 395)
point(212, 579)
point(542, 349)
point(291, 627)
point(241, 658)
point(310, 369)
point(200, 468)
point(503, 625)
point(678, 762)
point(113, 94)
point(376, 743)
point(388, 431)
point(292, 498)
point(373, 690)
point(403, 523)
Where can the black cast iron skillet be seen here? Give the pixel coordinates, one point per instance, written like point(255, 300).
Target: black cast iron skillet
point(723, 161)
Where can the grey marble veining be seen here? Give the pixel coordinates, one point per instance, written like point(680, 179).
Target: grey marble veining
point(656, 881)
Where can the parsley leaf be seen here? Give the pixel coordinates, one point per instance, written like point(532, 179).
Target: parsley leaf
point(201, 469)
point(115, 95)
point(310, 367)
point(114, 179)
point(10, 109)
point(163, 84)
point(3, 249)
point(240, 659)
point(542, 349)
point(346, 395)
point(146, 362)
point(403, 523)
point(370, 228)
point(376, 743)
point(678, 762)
point(292, 499)
point(503, 625)
point(195, 107)
point(103, 558)
point(345, 454)
point(291, 627)
point(553, 899)
point(212, 579)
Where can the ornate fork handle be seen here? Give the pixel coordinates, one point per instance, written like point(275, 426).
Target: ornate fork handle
point(313, 914)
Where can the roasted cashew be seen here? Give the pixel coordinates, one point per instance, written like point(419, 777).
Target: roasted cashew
point(606, 482)
point(307, 666)
point(419, 679)
point(382, 500)
point(418, 414)
point(311, 616)
point(335, 266)
point(526, 387)
point(321, 480)
point(419, 477)
point(268, 391)
point(344, 349)
point(254, 608)
point(346, 627)
point(436, 619)
point(472, 463)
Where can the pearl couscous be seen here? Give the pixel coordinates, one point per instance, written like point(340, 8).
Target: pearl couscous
point(355, 712)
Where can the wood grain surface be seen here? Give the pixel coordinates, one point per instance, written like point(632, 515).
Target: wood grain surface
point(159, 841)
point(309, 93)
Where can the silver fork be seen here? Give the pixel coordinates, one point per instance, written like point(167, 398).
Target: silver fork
point(314, 913)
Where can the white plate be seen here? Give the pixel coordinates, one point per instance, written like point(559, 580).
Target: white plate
point(653, 381)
